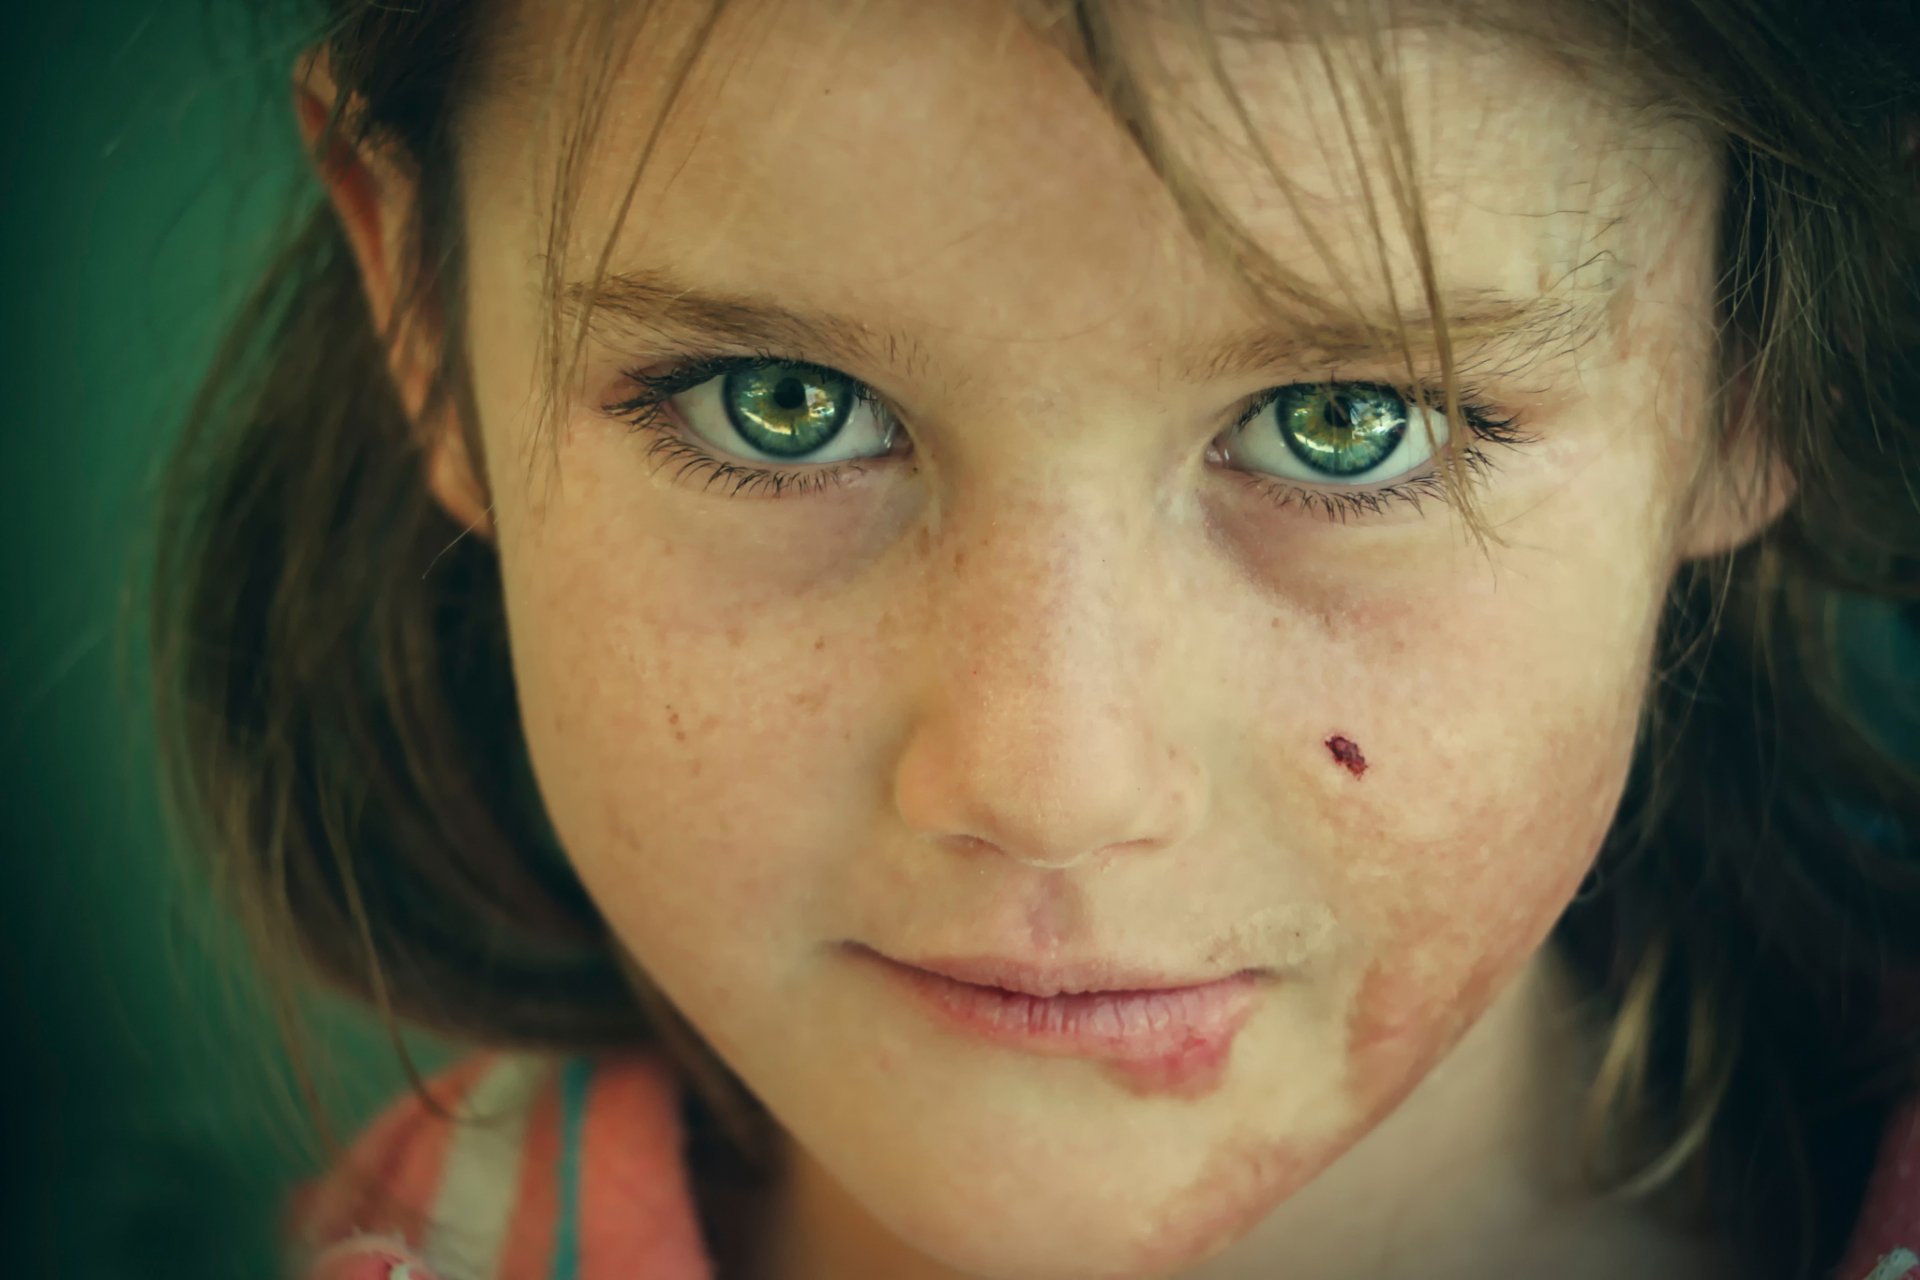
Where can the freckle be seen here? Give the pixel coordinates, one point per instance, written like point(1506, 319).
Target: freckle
point(733, 637)
point(1346, 751)
point(695, 769)
point(673, 717)
point(679, 735)
point(959, 560)
point(819, 644)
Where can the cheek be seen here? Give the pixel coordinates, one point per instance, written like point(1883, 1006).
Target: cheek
point(1488, 788)
point(694, 738)
point(1462, 846)
point(1444, 764)
point(1445, 923)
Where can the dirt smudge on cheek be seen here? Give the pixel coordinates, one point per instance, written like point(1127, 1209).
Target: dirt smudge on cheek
point(1404, 1020)
point(1455, 912)
point(1253, 1168)
point(1419, 998)
point(1239, 1186)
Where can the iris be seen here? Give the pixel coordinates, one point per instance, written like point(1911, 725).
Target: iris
point(1341, 430)
point(786, 410)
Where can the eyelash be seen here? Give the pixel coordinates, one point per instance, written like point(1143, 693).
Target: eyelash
point(671, 443)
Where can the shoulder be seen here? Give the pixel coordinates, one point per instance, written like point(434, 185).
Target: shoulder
point(510, 1167)
point(1886, 1239)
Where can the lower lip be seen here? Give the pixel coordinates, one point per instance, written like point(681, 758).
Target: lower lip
point(1173, 1041)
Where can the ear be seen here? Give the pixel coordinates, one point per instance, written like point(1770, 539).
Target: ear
point(1744, 486)
point(374, 190)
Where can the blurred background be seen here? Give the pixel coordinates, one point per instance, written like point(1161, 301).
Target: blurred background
point(149, 1124)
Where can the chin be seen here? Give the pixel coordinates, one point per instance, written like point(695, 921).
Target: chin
point(1149, 1209)
point(1102, 1238)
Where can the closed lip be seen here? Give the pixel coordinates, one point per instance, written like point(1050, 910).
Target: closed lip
point(1176, 1027)
point(1057, 978)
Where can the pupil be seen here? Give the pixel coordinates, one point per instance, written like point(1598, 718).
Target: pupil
point(789, 394)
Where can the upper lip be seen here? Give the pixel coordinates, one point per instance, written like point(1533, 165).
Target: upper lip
point(1056, 978)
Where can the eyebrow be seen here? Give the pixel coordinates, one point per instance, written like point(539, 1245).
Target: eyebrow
point(1478, 323)
point(652, 307)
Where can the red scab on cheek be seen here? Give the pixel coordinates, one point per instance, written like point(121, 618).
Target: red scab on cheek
point(1346, 752)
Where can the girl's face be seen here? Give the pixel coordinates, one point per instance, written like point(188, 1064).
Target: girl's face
point(1038, 657)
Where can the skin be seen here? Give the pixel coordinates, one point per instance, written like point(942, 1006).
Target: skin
point(1057, 682)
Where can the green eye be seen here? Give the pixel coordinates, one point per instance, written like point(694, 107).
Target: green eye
point(786, 410)
point(1341, 430)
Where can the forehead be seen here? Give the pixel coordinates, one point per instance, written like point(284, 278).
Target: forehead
point(948, 166)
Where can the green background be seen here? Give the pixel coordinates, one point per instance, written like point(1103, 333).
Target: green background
point(147, 1122)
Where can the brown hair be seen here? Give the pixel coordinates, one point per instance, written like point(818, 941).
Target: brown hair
point(333, 674)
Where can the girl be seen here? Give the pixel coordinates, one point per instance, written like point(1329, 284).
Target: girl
point(1084, 640)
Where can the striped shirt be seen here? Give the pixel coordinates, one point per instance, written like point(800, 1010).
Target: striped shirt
point(535, 1169)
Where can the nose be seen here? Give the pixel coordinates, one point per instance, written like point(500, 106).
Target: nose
point(1048, 729)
